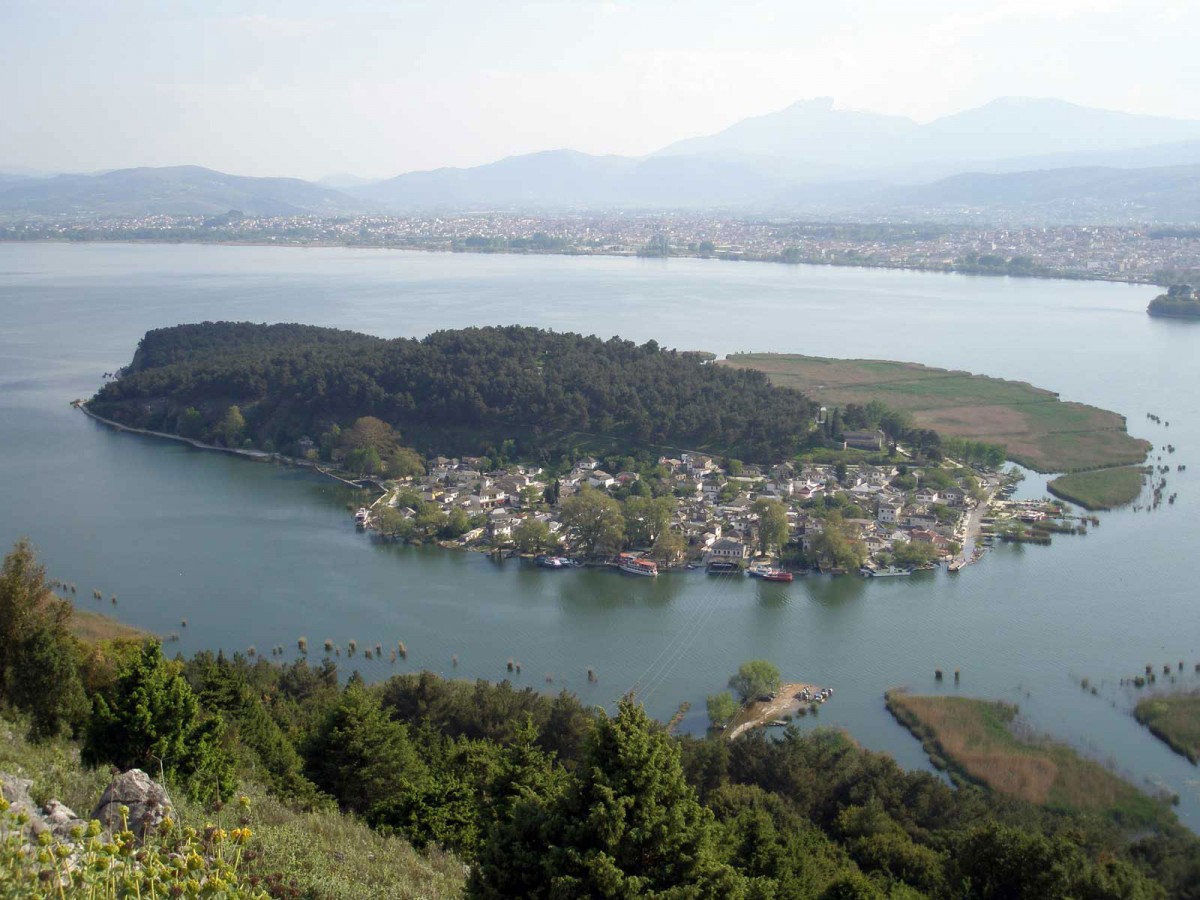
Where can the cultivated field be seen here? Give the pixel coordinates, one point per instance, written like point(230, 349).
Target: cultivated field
point(975, 740)
point(1038, 429)
point(1174, 719)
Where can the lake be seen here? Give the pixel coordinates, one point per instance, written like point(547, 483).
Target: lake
point(257, 555)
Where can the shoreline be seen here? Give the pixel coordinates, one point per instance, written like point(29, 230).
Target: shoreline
point(1067, 275)
point(253, 455)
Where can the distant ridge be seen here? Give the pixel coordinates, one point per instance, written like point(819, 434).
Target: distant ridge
point(810, 158)
point(173, 190)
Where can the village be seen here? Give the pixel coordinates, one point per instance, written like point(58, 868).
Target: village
point(695, 510)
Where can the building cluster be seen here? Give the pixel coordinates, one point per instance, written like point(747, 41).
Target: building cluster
point(1118, 253)
point(715, 510)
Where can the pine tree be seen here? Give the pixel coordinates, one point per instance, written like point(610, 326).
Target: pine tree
point(152, 719)
point(629, 825)
point(39, 670)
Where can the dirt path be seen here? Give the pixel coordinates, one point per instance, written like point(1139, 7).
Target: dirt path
point(758, 713)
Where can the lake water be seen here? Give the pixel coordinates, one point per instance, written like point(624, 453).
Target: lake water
point(252, 554)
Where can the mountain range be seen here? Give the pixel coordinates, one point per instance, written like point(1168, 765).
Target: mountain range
point(810, 158)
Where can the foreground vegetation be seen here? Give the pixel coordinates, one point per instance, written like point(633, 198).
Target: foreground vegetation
point(391, 789)
point(974, 739)
point(1102, 489)
point(1174, 719)
point(1037, 429)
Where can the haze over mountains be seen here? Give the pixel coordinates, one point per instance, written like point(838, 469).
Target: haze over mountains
point(807, 159)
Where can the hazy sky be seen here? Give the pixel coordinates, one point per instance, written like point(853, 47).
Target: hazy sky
point(309, 88)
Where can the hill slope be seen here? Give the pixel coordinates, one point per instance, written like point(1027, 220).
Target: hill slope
point(174, 190)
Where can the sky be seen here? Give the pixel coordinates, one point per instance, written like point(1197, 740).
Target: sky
point(309, 88)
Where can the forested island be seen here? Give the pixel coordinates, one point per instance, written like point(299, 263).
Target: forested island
point(289, 780)
point(279, 387)
point(1180, 301)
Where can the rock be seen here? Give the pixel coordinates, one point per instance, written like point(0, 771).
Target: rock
point(16, 792)
point(147, 801)
point(56, 817)
point(60, 819)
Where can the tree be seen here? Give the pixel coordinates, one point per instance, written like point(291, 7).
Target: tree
point(913, 553)
point(628, 825)
point(404, 462)
point(531, 535)
point(646, 518)
point(755, 678)
point(721, 708)
point(39, 672)
point(371, 433)
point(391, 523)
point(669, 547)
point(231, 427)
point(834, 545)
point(151, 718)
point(594, 522)
point(359, 754)
point(364, 460)
point(772, 524)
point(190, 423)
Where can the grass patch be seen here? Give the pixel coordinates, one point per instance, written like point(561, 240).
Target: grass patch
point(975, 741)
point(1038, 429)
point(300, 854)
point(1102, 489)
point(93, 628)
point(1175, 720)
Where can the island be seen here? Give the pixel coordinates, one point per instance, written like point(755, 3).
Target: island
point(574, 450)
point(1181, 301)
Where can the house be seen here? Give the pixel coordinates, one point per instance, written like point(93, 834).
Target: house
point(928, 495)
point(954, 497)
point(889, 511)
point(601, 479)
point(727, 550)
point(589, 463)
point(862, 440)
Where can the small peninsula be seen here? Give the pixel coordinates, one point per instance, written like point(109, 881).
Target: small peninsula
point(1181, 301)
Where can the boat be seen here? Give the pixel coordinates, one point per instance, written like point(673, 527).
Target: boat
point(758, 571)
point(552, 562)
point(889, 572)
point(778, 575)
point(362, 517)
point(639, 567)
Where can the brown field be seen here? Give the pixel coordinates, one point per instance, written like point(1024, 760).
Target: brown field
point(1037, 428)
point(975, 739)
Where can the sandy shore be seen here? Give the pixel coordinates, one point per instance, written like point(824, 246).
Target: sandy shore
point(758, 713)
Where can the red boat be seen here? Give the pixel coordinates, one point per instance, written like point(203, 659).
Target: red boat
point(778, 575)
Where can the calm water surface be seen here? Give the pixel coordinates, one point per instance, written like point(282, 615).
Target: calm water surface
point(257, 555)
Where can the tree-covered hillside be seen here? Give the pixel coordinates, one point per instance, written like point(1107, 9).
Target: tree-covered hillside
point(451, 392)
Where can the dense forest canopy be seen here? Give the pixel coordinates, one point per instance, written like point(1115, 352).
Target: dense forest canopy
point(448, 392)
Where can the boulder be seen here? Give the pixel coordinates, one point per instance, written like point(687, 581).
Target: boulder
point(146, 799)
point(55, 817)
point(60, 819)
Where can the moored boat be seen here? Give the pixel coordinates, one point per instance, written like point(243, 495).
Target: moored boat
point(639, 567)
point(778, 575)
